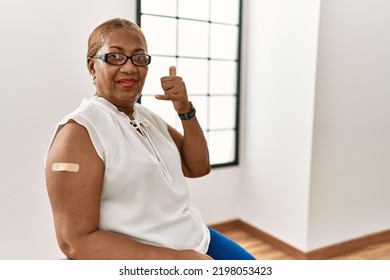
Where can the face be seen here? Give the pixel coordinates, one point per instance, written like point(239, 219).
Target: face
point(121, 85)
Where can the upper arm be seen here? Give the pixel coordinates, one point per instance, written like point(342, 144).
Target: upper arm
point(74, 196)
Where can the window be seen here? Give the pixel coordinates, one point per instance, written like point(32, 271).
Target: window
point(202, 39)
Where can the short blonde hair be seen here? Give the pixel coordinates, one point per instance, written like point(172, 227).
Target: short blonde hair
point(96, 39)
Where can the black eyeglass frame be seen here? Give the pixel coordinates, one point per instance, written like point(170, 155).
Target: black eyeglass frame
point(104, 57)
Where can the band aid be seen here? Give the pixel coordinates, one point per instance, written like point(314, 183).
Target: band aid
point(63, 166)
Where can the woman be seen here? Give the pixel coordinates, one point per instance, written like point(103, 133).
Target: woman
point(115, 171)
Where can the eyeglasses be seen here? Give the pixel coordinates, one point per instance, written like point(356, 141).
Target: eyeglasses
point(119, 59)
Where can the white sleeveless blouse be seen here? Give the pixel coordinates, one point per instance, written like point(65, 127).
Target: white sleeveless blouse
point(145, 195)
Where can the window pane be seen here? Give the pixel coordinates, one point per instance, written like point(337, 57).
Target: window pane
point(201, 38)
point(221, 146)
point(201, 105)
point(223, 76)
point(194, 9)
point(166, 7)
point(225, 11)
point(222, 112)
point(157, 69)
point(195, 74)
point(160, 33)
point(193, 38)
point(223, 41)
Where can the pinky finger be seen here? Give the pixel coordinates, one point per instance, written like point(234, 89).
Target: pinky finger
point(162, 97)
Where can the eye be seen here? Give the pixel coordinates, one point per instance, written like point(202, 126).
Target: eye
point(115, 58)
point(141, 59)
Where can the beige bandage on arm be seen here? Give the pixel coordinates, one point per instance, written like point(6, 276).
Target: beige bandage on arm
point(64, 166)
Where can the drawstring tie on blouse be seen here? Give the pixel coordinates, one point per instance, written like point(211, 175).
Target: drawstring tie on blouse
point(136, 123)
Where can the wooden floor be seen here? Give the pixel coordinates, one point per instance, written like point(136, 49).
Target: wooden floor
point(263, 251)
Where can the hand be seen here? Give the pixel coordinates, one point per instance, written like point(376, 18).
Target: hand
point(175, 90)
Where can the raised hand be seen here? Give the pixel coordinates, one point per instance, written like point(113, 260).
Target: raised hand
point(175, 91)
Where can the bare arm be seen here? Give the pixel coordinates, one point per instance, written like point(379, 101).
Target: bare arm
point(192, 144)
point(75, 201)
point(193, 149)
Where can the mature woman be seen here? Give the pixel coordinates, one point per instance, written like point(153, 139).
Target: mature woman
point(115, 171)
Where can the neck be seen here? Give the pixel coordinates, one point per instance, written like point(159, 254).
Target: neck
point(125, 107)
point(129, 111)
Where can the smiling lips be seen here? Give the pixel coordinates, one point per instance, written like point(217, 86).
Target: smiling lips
point(127, 83)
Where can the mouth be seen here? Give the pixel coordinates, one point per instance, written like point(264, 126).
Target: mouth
point(127, 83)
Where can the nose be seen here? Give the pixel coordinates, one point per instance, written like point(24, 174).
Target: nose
point(128, 67)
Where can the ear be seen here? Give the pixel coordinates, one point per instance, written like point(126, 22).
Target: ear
point(91, 66)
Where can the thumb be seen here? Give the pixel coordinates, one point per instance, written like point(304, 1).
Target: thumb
point(172, 71)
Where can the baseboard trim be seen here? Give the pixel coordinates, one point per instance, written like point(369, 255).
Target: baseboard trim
point(318, 254)
point(348, 246)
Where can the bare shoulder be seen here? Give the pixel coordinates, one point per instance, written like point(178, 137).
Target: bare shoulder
point(72, 140)
point(72, 144)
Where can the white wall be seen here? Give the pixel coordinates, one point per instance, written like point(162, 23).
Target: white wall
point(317, 153)
point(350, 187)
point(281, 42)
point(216, 195)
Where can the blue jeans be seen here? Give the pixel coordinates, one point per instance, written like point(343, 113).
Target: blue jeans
point(222, 248)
